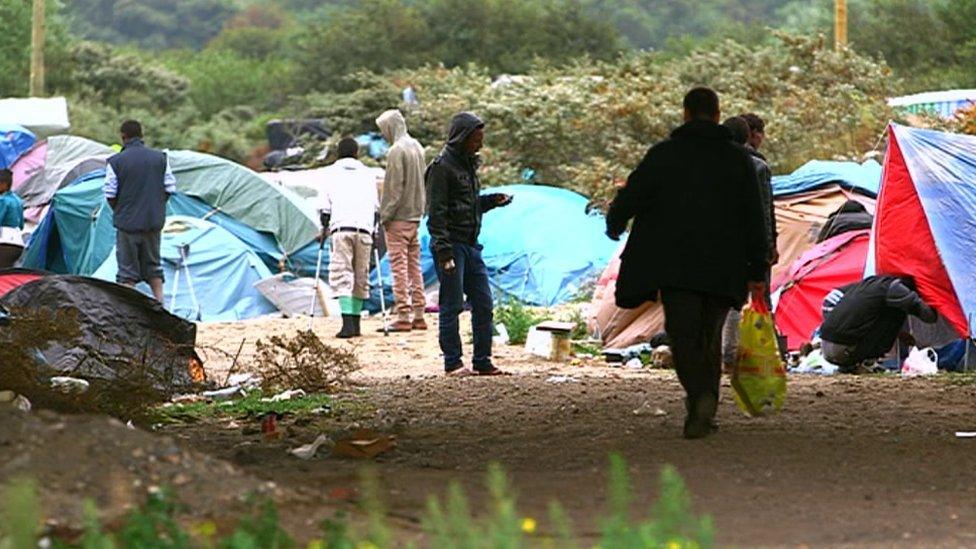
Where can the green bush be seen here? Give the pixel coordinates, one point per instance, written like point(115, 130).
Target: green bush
point(518, 319)
point(448, 523)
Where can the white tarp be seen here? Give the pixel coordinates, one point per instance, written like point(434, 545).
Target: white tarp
point(42, 115)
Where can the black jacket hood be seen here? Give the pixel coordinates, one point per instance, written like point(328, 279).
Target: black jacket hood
point(462, 125)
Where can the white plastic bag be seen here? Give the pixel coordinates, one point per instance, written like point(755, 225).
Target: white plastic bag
point(920, 362)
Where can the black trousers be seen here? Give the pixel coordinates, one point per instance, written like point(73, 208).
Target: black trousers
point(693, 321)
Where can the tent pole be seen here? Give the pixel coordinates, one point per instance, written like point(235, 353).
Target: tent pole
point(969, 344)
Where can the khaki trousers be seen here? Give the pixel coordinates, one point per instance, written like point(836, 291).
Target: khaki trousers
point(403, 248)
point(349, 264)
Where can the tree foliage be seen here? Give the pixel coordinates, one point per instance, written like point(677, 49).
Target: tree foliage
point(154, 24)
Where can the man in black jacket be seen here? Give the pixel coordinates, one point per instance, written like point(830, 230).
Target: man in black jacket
point(697, 239)
point(867, 318)
point(456, 207)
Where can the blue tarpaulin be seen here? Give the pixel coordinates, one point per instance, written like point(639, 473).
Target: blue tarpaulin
point(14, 142)
point(373, 144)
point(216, 281)
point(863, 178)
point(542, 249)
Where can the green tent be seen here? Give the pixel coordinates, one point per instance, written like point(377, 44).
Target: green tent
point(245, 196)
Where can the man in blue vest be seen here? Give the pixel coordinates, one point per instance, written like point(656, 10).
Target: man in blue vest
point(138, 182)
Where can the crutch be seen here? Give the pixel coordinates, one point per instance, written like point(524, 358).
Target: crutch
point(184, 255)
point(379, 279)
point(315, 284)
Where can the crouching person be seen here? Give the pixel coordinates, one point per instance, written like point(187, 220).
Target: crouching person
point(867, 317)
point(348, 206)
point(456, 206)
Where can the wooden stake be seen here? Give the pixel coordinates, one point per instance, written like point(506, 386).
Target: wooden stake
point(37, 50)
point(840, 24)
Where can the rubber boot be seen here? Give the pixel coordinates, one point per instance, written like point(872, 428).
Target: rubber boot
point(356, 325)
point(348, 328)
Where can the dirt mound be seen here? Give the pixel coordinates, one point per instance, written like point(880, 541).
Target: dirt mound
point(73, 458)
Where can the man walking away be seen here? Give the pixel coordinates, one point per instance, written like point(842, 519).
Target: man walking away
point(400, 212)
point(456, 208)
point(11, 222)
point(697, 239)
point(867, 318)
point(138, 182)
point(348, 207)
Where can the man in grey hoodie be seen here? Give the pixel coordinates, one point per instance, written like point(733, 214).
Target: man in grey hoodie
point(456, 208)
point(401, 208)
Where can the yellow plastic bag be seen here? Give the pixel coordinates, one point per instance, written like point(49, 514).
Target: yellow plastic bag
point(759, 379)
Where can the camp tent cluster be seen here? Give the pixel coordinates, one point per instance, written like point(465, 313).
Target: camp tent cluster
point(229, 228)
point(924, 201)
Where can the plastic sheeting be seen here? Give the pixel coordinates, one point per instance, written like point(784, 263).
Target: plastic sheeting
point(126, 342)
point(926, 219)
point(76, 235)
point(222, 271)
point(53, 164)
point(864, 178)
point(14, 142)
point(245, 196)
point(42, 115)
point(373, 144)
point(833, 263)
point(544, 247)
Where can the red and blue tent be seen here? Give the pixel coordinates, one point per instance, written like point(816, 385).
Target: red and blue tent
point(925, 224)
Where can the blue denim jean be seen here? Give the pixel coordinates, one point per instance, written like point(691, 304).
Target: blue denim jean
point(470, 279)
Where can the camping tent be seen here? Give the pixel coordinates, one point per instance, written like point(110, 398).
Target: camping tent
point(14, 142)
point(127, 346)
point(245, 196)
point(50, 165)
point(218, 280)
point(620, 328)
point(805, 198)
point(81, 207)
point(14, 278)
point(76, 235)
point(925, 224)
point(542, 249)
point(800, 292)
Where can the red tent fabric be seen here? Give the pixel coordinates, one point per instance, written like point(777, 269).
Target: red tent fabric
point(14, 278)
point(833, 263)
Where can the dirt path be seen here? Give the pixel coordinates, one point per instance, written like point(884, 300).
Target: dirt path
point(850, 462)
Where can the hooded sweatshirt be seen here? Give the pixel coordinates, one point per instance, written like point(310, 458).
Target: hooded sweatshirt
point(454, 191)
point(403, 185)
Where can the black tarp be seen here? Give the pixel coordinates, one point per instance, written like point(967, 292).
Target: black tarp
point(283, 134)
point(127, 346)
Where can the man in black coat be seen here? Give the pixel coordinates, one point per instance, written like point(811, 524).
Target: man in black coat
point(697, 239)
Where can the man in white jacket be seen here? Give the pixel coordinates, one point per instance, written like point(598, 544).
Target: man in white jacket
point(401, 209)
point(348, 207)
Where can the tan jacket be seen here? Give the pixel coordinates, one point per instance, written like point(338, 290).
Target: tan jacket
point(403, 186)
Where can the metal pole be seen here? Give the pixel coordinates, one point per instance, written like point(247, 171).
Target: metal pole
point(969, 343)
point(840, 24)
point(37, 50)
